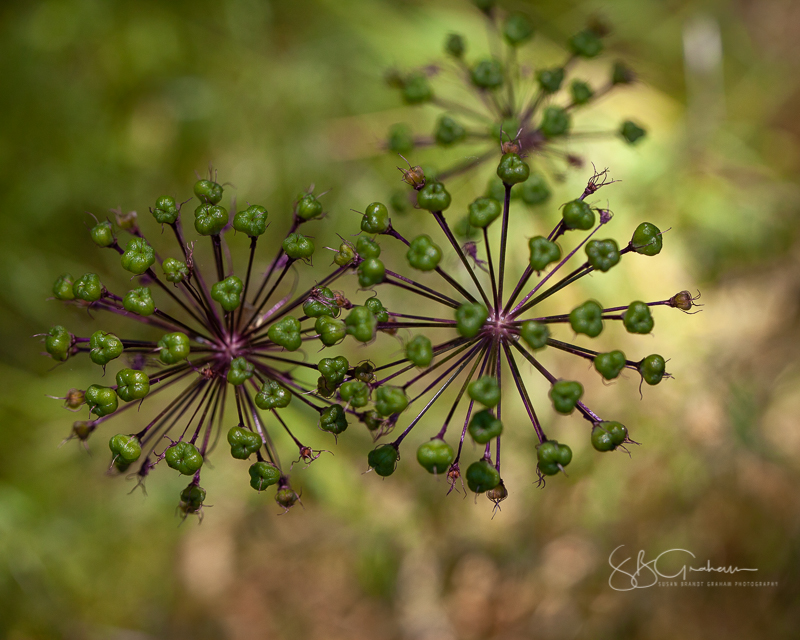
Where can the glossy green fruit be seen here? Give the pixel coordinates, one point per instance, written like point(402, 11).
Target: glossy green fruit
point(455, 45)
point(543, 252)
point(555, 122)
point(485, 390)
point(251, 221)
point(125, 449)
point(286, 333)
point(345, 255)
point(435, 456)
point(240, 371)
point(647, 239)
point(423, 253)
point(243, 442)
point(321, 302)
point(356, 393)
point(652, 369)
point(482, 476)
point(62, 288)
point(367, 248)
point(587, 319)
point(607, 436)
point(586, 44)
point(132, 384)
point(192, 498)
point(535, 334)
point(378, 310)
point(263, 474)
point(331, 331)
point(637, 318)
point(535, 190)
point(512, 170)
point(370, 272)
point(577, 215)
point(184, 457)
point(565, 395)
point(552, 457)
point(101, 401)
point(228, 293)
point(487, 74)
point(419, 351)
point(470, 318)
point(333, 419)
point(372, 420)
point(449, 132)
point(517, 29)
point(631, 132)
point(175, 271)
point(139, 301)
point(58, 343)
point(138, 257)
point(308, 207)
point(104, 347)
point(390, 400)
point(550, 79)
point(364, 371)
point(375, 219)
point(602, 254)
point(298, 246)
point(273, 396)
point(174, 347)
point(610, 365)
point(166, 210)
point(416, 89)
point(208, 191)
point(581, 92)
point(210, 220)
point(334, 370)
point(88, 288)
point(433, 197)
point(361, 323)
point(102, 234)
point(484, 211)
point(484, 426)
point(384, 459)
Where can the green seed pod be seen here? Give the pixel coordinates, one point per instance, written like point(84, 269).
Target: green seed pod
point(286, 333)
point(365, 371)
point(390, 400)
point(192, 499)
point(622, 74)
point(378, 310)
point(333, 419)
point(105, 347)
point(132, 384)
point(577, 215)
point(88, 288)
point(517, 29)
point(607, 436)
point(367, 248)
point(345, 255)
point(581, 92)
point(455, 45)
point(286, 497)
point(384, 459)
point(631, 132)
point(543, 252)
point(375, 219)
point(330, 330)
point(482, 476)
point(423, 253)
point(512, 170)
point(619, 433)
point(487, 74)
point(62, 288)
point(174, 347)
point(373, 420)
point(263, 474)
point(298, 247)
point(273, 396)
point(652, 369)
point(208, 191)
point(435, 455)
point(647, 239)
point(210, 220)
point(139, 301)
point(535, 190)
point(484, 211)
point(610, 365)
point(637, 318)
point(138, 257)
point(470, 318)
point(244, 442)
point(483, 426)
point(321, 302)
point(361, 324)
point(228, 293)
point(101, 401)
point(401, 140)
point(464, 230)
point(252, 221)
point(433, 197)
point(58, 343)
point(587, 319)
point(124, 449)
point(419, 351)
point(535, 334)
point(550, 79)
point(184, 457)
point(485, 390)
point(555, 122)
point(553, 456)
point(586, 44)
point(166, 210)
point(416, 89)
point(175, 271)
point(240, 371)
point(449, 132)
point(103, 234)
point(334, 370)
point(356, 393)
point(602, 254)
point(325, 388)
point(565, 394)
point(308, 207)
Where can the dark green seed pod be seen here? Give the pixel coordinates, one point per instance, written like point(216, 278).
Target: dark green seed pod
point(208, 191)
point(286, 333)
point(228, 293)
point(252, 221)
point(587, 319)
point(602, 254)
point(175, 271)
point(345, 255)
point(482, 476)
point(286, 497)
point(62, 288)
point(58, 343)
point(455, 45)
point(470, 318)
point(487, 74)
point(581, 92)
point(367, 248)
point(416, 89)
point(535, 190)
point(372, 420)
point(401, 140)
point(166, 210)
point(298, 246)
point(273, 396)
point(334, 370)
point(139, 301)
point(104, 347)
point(535, 334)
point(601, 439)
point(647, 239)
point(610, 365)
point(174, 347)
point(125, 449)
point(308, 207)
point(240, 371)
point(419, 351)
point(361, 323)
point(565, 394)
point(390, 400)
point(356, 393)
point(263, 474)
point(103, 234)
point(652, 369)
point(433, 197)
point(370, 272)
point(637, 318)
point(88, 288)
point(517, 30)
point(132, 384)
point(321, 302)
point(483, 426)
point(365, 371)
point(577, 215)
point(449, 132)
point(384, 459)
point(550, 79)
point(378, 310)
point(184, 457)
point(423, 253)
point(330, 330)
point(333, 419)
point(512, 170)
point(435, 456)
point(485, 390)
point(631, 132)
point(552, 451)
point(484, 211)
point(101, 401)
point(555, 122)
point(243, 442)
point(464, 230)
point(192, 499)
point(543, 252)
point(376, 218)
point(210, 220)
point(586, 44)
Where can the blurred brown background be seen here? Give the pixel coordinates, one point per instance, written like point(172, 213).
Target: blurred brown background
point(112, 104)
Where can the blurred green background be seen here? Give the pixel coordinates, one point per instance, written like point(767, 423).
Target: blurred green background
point(112, 104)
